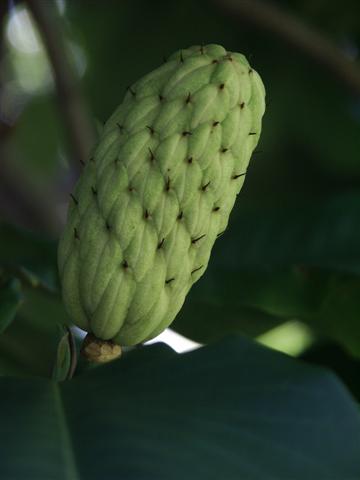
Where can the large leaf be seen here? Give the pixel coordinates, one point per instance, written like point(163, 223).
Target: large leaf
point(332, 356)
point(323, 233)
point(235, 410)
point(204, 318)
point(296, 263)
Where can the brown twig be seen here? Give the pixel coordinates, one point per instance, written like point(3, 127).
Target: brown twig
point(73, 107)
point(269, 17)
point(19, 203)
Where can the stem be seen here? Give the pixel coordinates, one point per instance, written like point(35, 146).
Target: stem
point(18, 201)
point(74, 110)
point(273, 19)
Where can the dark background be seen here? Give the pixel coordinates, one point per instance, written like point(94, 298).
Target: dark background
point(310, 142)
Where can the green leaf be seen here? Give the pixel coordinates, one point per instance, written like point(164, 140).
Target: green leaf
point(205, 319)
point(28, 256)
point(332, 356)
point(323, 233)
point(233, 409)
point(10, 300)
point(295, 263)
point(338, 316)
point(65, 362)
point(29, 345)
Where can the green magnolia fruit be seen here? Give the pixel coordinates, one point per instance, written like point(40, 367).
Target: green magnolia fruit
point(158, 191)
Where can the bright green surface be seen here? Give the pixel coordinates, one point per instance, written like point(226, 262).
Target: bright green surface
point(292, 337)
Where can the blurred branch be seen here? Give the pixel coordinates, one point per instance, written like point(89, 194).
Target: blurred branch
point(75, 113)
point(3, 11)
point(19, 204)
point(272, 18)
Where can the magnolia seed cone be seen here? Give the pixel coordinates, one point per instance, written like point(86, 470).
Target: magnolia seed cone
point(157, 192)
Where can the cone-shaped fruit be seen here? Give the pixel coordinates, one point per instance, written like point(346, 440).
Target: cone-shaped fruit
point(157, 192)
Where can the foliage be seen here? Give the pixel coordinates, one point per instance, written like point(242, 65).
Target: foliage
point(233, 408)
point(291, 252)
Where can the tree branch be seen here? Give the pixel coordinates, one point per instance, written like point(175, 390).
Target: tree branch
point(74, 110)
point(18, 202)
point(269, 17)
